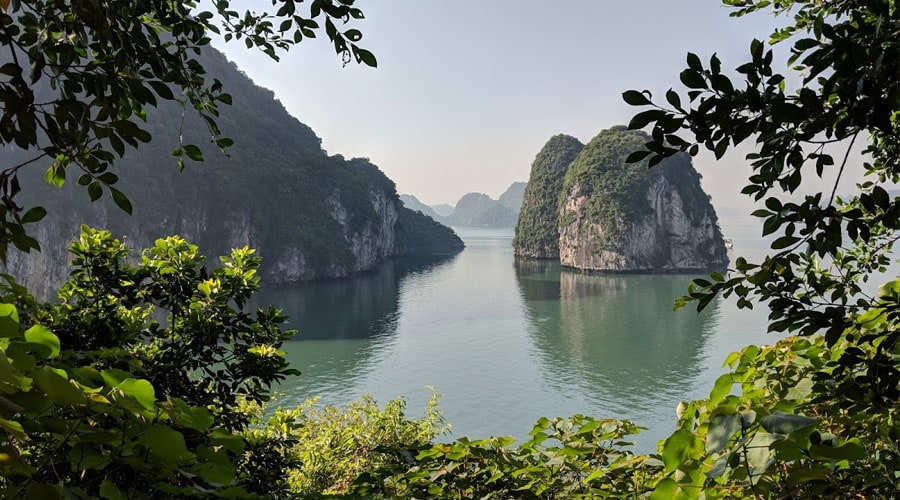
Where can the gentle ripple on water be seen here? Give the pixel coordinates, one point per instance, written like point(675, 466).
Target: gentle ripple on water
point(507, 341)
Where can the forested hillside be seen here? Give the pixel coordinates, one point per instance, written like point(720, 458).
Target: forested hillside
point(309, 214)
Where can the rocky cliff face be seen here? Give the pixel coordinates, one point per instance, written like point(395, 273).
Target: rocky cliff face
point(309, 214)
point(666, 239)
point(627, 218)
point(537, 229)
point(365, 246)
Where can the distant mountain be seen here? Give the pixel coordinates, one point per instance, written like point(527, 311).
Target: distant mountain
point(475, 209)
point(513, 196)
point(443, 209)
point(413, 203)
point(479, 210)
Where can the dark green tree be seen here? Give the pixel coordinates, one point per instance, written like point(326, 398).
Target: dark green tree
point(817, 415)
point(134, 385)
point(848, 55)
point(77, 80)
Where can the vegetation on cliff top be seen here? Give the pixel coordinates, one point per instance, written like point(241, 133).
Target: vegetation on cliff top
point(617, 190)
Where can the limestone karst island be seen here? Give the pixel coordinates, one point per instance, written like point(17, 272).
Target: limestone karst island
point(587, 207)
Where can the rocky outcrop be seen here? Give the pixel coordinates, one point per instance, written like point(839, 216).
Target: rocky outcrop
point(592, 211)
point(537, 228)
point(620, 217)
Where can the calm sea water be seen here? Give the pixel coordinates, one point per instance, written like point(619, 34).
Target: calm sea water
point(506, 342)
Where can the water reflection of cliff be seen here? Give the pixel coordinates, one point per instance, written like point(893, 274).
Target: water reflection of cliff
point(360, 313)
point(362, 306)
point(615, 335)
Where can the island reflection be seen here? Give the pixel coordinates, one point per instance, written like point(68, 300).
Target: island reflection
point(616, 335)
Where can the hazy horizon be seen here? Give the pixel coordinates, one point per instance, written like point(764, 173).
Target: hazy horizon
point(465, 95)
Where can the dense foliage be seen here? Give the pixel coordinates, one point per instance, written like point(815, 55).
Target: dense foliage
point(77, 79)
point(132, 384)
point(828, 422)
point(330, 447)
point(423, 236)
point(537, 229)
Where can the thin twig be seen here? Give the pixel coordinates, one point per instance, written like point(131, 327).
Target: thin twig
point(841, 171)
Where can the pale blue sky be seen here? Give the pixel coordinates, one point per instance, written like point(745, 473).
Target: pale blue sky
point(466, 92)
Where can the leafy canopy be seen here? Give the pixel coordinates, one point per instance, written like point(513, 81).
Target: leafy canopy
point(825, 247)
point(847, 55)
point(77, 79)
point(135, 383)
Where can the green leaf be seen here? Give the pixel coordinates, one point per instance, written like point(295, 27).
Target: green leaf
point(365, 57)
point(193, 152)
point(56, 385)
point(720, 431)
point(694, 62)
point(675, 448)
point(848, 451)
point(9, 320)
point(120, 199)
point(673, 98)
point(805, 475)
point(165, 444)
point(33, 215)
point(759, 454)
point(719, 467)
point(232, 442)
point(14, 429)
point(780, 422)
point(353, 35)
point(194, 418)
point(39, 334)
point(56, 175)
point(665, 490)
point(109, 490)
point(113, 376)
point(644, 118)
point(162, 90)
point(95, 190)
point(635, 98)
point(721, 388)
point(139, 389)
point(637, 156)
point(83, 457)
point(784, 242)
point(692, 79)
